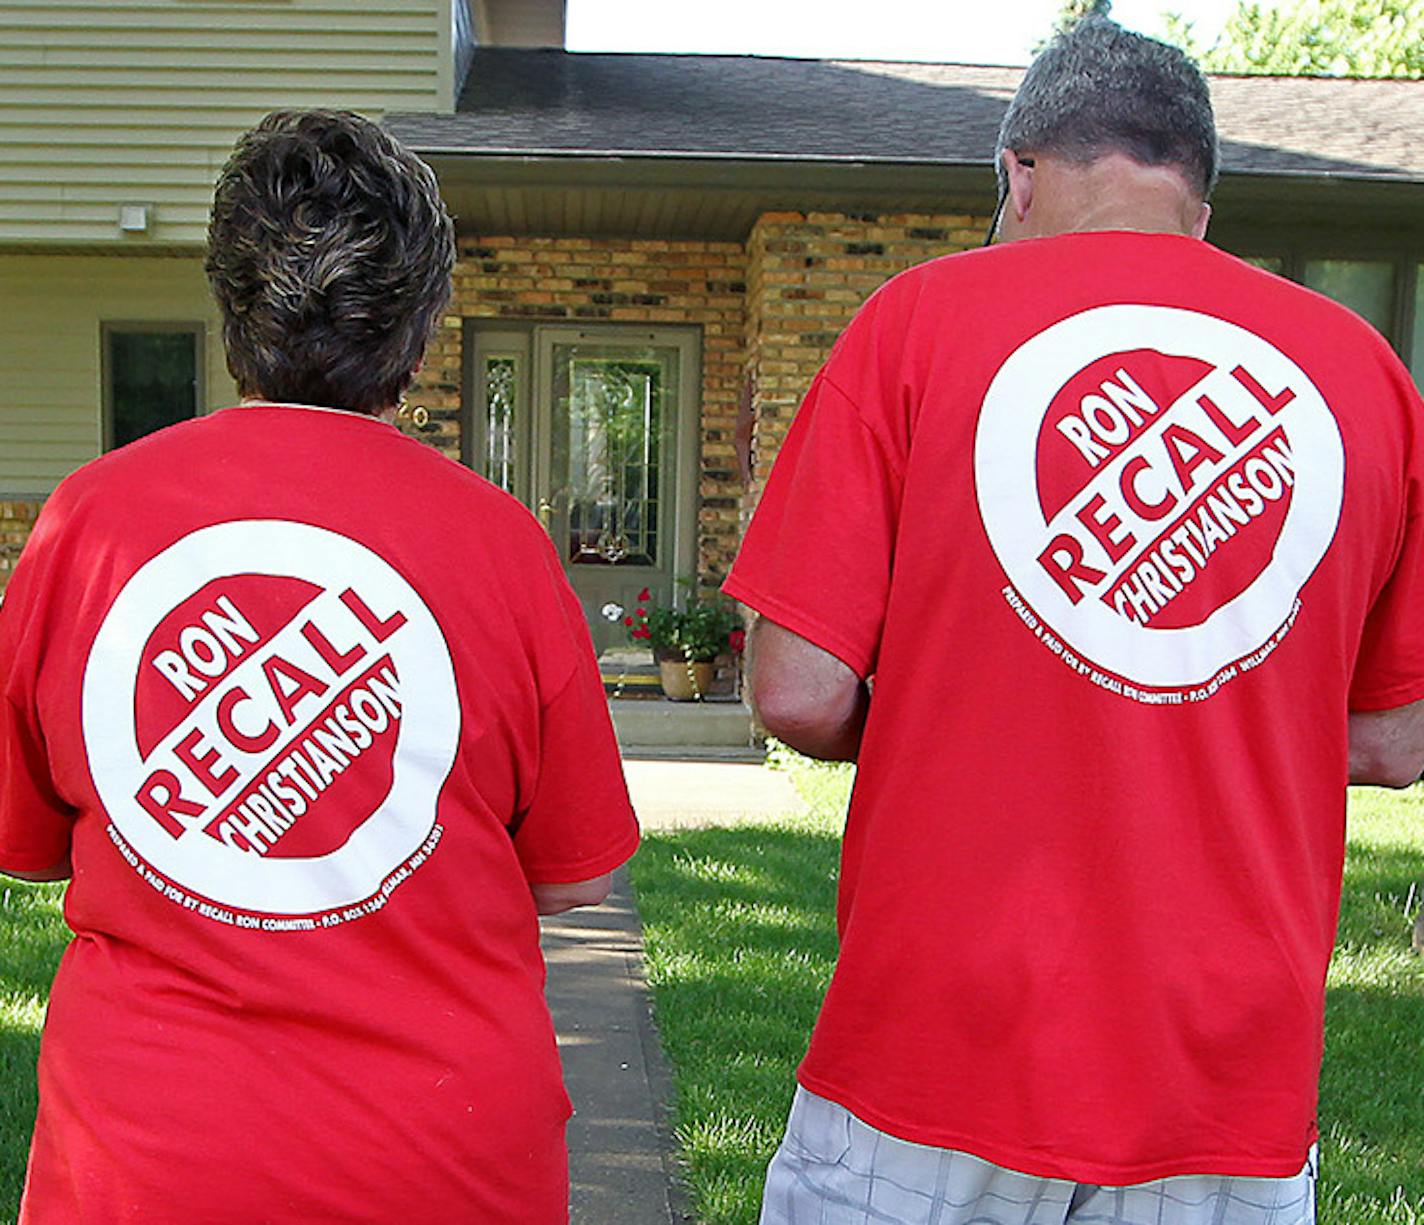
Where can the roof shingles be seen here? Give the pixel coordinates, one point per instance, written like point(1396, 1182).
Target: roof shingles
point(529, 102)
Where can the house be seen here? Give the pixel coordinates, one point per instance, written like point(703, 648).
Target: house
point(116, 119)
point(656, 251)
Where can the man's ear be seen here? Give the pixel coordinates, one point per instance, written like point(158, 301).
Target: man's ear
point(1202, 221)
point(1020, 176)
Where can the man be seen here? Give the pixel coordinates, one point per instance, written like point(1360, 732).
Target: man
point(1127, 534)
point(317, 749)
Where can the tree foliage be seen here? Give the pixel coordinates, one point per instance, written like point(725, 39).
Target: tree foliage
point(1071, 12)
point(1351, 38)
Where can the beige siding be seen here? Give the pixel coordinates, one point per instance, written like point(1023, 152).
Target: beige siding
point(51, 416)
point(105, 102)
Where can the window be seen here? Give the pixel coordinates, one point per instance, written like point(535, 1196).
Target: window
point(152, 378)
point(1385, 289)
point(1416, 348)
point(1365, 286)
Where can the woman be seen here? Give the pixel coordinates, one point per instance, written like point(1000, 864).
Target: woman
point(314, 716)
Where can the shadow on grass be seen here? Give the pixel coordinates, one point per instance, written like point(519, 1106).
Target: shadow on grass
point(1372, 1081)
point(1371, 1085)
point(18, 1051)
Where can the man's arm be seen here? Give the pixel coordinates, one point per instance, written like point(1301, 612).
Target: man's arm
point(805, 696)
point(557, 898)
point(1387, 746)
point(60, 871)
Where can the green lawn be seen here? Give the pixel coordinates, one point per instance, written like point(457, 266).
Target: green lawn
point(32, 936)
point(740, 941)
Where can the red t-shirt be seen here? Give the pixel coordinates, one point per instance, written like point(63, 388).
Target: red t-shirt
point(310, 707)
point(1122, 527)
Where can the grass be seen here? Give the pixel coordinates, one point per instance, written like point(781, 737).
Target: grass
point(740, 942)
point(32, 936)
point(1372, 1084)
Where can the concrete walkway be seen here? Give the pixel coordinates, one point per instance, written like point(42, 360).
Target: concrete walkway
point(681, 794)
point(621, 1151)
point(620, 1138)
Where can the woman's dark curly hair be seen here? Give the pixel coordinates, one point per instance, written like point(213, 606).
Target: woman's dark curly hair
point(329, 253)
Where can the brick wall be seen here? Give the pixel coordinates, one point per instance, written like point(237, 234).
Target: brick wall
point(16, 519)
point(605, 280)
point(807, 274)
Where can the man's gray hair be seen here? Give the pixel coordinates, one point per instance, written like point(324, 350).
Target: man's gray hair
point(1098, 89)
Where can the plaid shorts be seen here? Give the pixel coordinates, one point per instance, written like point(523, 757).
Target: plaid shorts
point(832, 1169)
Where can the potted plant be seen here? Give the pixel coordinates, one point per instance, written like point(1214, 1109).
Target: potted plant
point(685, 641)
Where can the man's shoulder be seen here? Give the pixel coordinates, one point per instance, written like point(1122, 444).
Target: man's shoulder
point(942, 272)
point(933, 287)
point(1125, 266)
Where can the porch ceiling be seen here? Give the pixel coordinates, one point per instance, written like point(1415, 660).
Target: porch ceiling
point(677, 198)
point(720, 199)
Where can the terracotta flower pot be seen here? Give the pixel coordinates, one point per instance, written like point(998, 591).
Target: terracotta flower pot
point(684, 682)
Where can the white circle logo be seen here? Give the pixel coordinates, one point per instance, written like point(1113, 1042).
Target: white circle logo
point(1158, 507)
point(270, 714)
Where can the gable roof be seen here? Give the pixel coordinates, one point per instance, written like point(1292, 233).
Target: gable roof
point(548, 102)
point(548, 141)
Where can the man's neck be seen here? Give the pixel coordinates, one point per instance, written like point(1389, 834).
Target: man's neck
point(1112, 193)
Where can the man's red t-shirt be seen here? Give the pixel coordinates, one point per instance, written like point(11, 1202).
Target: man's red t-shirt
point(1121, 527)
point(309, 707)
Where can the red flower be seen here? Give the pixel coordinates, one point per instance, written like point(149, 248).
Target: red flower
point(640, 612)
point(737, 639)
point(642, 632)
point(627, 620)
point(644, 596)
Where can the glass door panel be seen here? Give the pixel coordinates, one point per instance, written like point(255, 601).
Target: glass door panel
point(616, 463)
point(501, 381)
point(498, 443)
point(612, 412)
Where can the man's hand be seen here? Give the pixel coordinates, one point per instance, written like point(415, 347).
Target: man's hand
point(60, 871)
point(557, 898)
point(805, 696)
point(1387, 746)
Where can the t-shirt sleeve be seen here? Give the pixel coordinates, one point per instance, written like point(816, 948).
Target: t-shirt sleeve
point(35, 824)
point(579, 822)
point(1389, 670)
point(817, 555)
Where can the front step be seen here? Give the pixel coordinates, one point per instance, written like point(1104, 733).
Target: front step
point(644, 724)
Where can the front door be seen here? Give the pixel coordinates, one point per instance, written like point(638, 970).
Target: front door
point(595, 429)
